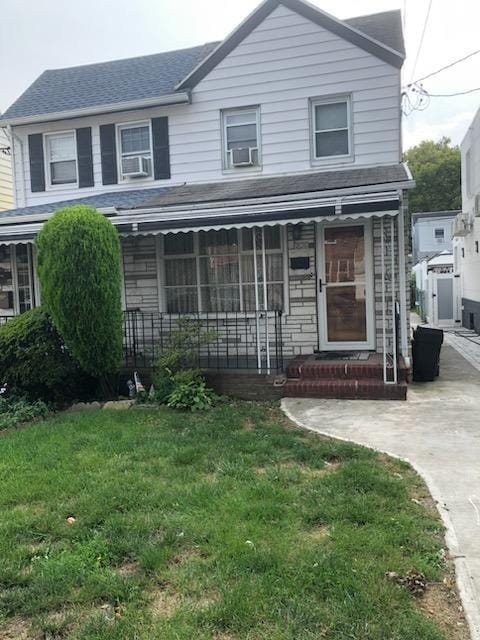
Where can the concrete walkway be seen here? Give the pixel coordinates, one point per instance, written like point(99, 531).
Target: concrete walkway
point(438, 431)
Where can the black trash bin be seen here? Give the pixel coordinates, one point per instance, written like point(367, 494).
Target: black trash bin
point(426, 345)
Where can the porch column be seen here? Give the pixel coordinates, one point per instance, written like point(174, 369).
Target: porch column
point(402, 280)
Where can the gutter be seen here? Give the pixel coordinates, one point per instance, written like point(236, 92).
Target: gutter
point(130, 105)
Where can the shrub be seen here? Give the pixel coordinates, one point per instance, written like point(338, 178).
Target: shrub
point(79, 271)
point(13, 411)
point(179, 356)
point(190, 391)
point(34, 361)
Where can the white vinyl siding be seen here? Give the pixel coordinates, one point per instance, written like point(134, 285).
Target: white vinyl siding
point(284, 63)
point(6, 180)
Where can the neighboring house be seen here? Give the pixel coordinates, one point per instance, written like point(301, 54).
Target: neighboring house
point(256, 184)
point(432, 233)
point(6, 185)
point(467, 228)
point(437, 291)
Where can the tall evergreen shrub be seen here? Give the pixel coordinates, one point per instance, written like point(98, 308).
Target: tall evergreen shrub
point(78, 253)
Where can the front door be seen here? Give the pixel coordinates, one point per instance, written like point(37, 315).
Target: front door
point(345, 286)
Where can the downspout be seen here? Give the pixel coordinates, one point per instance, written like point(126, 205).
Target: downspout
point(20, 199)
point(402, 281)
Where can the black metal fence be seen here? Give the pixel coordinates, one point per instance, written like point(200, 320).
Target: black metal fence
point(224, 340)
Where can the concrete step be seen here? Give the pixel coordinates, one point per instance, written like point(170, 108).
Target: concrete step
point(347, 389)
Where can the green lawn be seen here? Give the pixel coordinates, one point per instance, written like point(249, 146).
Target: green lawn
point(228, 525)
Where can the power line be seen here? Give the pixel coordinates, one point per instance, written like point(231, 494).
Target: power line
point(448, 66)
point(451, 95)
point(421, 39)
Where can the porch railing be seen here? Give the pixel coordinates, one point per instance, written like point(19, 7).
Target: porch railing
point(225, 340)
point(5, 319)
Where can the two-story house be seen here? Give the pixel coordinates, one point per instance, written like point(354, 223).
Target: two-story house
point(256, 183)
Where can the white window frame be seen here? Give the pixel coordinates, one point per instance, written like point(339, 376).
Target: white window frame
point(46, 153)
point(161, 276)
point(225, 151)
point(336, 99)
point(439, 240)
point(33, 285)
point(133, 125)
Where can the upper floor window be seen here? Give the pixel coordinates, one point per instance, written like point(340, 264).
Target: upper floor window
point(135, 150)
point(439, 235)
point(61, 152)
point(331, 128)
point(241, 143)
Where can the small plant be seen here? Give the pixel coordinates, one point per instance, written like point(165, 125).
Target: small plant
point(176, 383)
point(190, 391)
point(14, 411)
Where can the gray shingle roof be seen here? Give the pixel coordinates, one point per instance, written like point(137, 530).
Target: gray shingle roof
point(110, 83)
point(117, 199)
point(275, 186)
point(107, 82)
point(228, 190)
point(386, 27)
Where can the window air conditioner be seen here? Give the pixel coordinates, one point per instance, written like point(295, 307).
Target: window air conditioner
point(135, 167)
point(462, 225)
point(242, 157)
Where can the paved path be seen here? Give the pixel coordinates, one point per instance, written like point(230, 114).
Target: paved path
point(438, 431)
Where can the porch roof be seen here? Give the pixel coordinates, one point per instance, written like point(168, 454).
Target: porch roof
point(287, 199)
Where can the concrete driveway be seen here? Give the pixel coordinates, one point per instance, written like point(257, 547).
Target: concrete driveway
point(438, 431)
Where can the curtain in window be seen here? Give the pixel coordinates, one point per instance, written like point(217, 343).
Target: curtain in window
point(215, 270)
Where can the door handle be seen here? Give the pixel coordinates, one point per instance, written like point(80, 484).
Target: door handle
point(320, 285)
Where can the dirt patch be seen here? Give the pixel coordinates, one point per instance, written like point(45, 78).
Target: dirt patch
point(224, 635)
point(164, 602)
point(442, 605)
point(128, 569)
point(186, 555)
point(304, 470)
point(15, 629)
point(248, 424)
point(318, 534)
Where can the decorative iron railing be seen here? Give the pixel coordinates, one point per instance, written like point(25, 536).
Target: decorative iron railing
point(224, 340)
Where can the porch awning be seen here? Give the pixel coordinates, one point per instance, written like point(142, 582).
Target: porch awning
point(257, 216)
point(184, 220)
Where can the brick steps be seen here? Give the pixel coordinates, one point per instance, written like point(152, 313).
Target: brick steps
point(351, 379)
point(364, 389)
point(338, 370)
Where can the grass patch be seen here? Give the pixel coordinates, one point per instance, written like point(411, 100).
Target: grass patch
point(227, 525)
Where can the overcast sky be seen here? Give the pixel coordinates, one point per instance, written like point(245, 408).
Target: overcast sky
point(48, 34)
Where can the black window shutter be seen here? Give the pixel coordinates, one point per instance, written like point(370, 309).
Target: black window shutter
point(108, 152)
point(161, 150)
point(37, 162)
point(84, 157)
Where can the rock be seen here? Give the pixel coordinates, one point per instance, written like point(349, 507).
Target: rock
point(118, 404)
point(82, 406)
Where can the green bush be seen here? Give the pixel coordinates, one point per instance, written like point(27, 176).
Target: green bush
point(14, 412)
point(179, 356)
point(190, 391)
point(34, 361)
point(78, 254)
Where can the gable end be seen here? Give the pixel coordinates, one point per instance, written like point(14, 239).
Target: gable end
point(339, 28)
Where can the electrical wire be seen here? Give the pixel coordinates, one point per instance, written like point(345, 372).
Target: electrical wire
point(447, 95)
point(421, 39)
point(447, 66)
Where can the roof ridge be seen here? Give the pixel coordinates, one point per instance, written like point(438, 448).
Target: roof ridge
point(141, 57)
